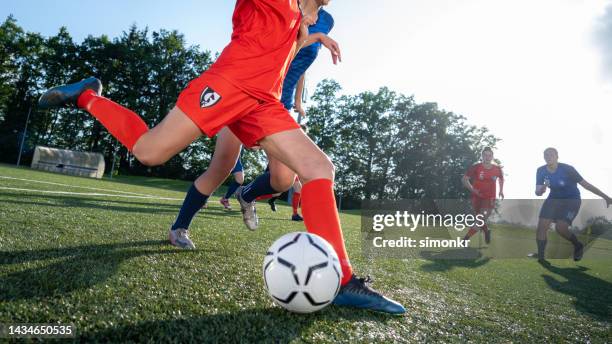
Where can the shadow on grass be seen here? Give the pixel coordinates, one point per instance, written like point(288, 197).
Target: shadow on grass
point(269, 325)
point(103, 204)
point(593, 296)
point(452, 258)
point(71, 268)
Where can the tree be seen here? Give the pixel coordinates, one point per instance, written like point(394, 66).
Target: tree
point(385, 146)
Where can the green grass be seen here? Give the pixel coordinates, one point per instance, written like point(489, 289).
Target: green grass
point(102, 263)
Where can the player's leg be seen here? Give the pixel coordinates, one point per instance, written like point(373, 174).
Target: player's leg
point(567, 211)
point(485, 212)
point(562, 228)
point(295, 150)
point(546, 217)
point(231, 189)
point(541, 236)
point(477, 207)
point(172, 135)
point(238, 174)
point(266, 184)
point(272, 201)
point(150, 147)
point(226, 153)
point(295, 200)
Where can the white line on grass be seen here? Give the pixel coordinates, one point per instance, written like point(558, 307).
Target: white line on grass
point(75, 186)
point(91, 194)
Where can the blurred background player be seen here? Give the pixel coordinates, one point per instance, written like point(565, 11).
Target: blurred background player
point(563, 201)
point(481, 179)
point(238, 174)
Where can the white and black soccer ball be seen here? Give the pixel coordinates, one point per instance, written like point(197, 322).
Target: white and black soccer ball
point(302, 272)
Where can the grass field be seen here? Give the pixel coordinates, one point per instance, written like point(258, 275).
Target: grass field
point(94, 253)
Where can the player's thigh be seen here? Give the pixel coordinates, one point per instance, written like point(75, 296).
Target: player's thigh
point(281, 176)
point(175, 132)
point(295, 150)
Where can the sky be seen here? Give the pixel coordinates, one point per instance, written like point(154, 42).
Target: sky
point(535, 73)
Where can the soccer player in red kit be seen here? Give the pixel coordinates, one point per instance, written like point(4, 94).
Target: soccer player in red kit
point(481, 179)
point(241, 91)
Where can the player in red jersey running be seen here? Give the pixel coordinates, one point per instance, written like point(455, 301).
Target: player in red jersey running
point(241, 91)
point(481, 179)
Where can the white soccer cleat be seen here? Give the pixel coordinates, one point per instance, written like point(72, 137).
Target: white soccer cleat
point(249, 213)
point(180, 238)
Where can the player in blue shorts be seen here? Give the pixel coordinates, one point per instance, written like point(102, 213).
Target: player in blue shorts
point(238, 173)
point(563, 202)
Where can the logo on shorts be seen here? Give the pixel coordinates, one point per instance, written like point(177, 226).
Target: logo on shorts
point(209, 97)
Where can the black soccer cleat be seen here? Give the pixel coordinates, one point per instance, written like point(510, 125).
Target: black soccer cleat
point(68, 94)
point(296, 217)
point(272, 203)
point(356, 293)
point(578, 252)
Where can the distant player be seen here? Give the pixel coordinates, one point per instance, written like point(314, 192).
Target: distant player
point(481, 180)
point(563, 201)
point(241, 92)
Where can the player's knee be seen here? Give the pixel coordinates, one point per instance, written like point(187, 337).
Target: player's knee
point(320, 168)
point(146, 156)
point(282, 182)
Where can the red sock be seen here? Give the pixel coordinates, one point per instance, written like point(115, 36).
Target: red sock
point(321, 218)
point(295, 202)
point(262, 197)
point(470, 233)
point(122, 123)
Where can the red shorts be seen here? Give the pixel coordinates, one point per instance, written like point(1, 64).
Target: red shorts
point(212, 103)
point(482, 203)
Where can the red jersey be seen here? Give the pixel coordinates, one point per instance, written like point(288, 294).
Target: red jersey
point(263, 43)
point(484, 179)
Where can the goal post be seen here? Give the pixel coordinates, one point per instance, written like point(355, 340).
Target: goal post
point(84, 164)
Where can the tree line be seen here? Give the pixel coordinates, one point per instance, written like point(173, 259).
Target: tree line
point(384, 144)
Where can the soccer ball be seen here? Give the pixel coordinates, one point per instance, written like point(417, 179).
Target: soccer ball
point(302, 272)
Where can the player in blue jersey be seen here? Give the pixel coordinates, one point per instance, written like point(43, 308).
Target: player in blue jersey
point(563, 202)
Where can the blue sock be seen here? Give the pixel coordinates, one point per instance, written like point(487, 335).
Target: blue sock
point(231, 189)
point(259, 187)
point(194, 201)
